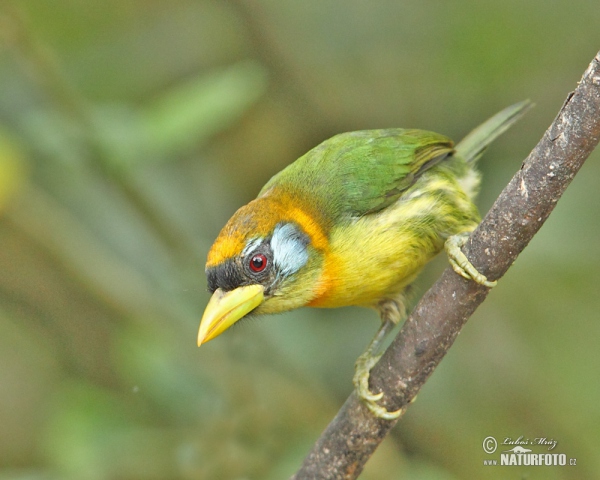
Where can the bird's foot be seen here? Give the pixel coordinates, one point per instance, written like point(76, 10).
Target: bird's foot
point(460, 263)
point(363, 367)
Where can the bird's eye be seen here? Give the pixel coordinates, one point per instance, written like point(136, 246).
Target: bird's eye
point(258, 262)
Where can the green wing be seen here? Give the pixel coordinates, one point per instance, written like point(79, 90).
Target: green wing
point(357, 173)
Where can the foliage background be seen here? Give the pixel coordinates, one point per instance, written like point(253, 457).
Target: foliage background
point(131, 130)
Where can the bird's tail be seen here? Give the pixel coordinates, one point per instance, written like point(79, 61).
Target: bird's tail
point(474, 144)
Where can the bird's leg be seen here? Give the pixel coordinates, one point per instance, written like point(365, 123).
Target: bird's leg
point(390, 316)
point(460, 263)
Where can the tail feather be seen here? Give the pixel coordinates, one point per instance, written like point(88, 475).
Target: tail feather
point(474, 144)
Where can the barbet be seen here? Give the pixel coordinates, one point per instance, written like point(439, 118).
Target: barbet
point(352, 222)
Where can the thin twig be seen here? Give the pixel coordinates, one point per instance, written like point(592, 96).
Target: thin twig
point(523, 206)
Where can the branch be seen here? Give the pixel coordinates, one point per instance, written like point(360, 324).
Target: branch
point(521, 209)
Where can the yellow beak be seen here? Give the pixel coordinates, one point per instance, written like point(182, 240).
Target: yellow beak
point(226, 308)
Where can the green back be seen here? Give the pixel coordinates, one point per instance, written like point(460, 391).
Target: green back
point(356, 173)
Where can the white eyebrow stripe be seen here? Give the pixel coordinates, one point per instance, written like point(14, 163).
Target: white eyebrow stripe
point(251, 246)
point(289, 248)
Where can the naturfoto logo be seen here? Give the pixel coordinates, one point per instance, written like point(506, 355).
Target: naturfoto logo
point(521, 455)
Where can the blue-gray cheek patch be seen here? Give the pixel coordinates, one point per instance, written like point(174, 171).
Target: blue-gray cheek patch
point(289, 248)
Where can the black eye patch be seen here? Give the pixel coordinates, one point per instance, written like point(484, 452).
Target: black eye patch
point(226, 276)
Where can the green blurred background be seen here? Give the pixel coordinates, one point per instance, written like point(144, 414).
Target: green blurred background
point(131, 130)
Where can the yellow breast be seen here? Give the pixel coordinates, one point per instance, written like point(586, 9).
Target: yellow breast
point(378, 255)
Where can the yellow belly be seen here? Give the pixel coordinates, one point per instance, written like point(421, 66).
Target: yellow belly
point(378, 255)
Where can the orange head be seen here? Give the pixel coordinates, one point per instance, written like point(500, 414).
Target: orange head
point(267, 259)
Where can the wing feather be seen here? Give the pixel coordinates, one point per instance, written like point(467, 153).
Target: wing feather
point(358, 173)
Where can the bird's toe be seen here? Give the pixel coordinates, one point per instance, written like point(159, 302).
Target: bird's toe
point(361, 383)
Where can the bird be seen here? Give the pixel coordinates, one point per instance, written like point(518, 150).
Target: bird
point(352, 223)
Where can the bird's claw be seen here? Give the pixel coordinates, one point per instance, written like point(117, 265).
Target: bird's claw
point(460, 263)
point(363, 366)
